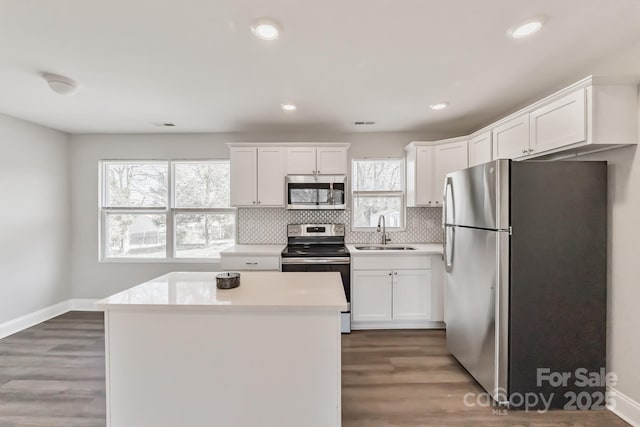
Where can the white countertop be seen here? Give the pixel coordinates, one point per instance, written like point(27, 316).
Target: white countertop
point(421, 249)
point(259, 290)
point(252, 250)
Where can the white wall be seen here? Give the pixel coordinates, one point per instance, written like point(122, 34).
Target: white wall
point(624, 244)
point(92, 279)
point(34, 218)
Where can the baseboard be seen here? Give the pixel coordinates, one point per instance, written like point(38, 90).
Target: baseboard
point(28, 320)
point(18, 324)
point(83, 304)
point(355, 325)
point(624, 407)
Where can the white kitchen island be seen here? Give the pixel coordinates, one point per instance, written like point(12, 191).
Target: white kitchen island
point(180, 352)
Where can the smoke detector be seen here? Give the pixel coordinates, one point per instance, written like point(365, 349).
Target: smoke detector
point(60, 84)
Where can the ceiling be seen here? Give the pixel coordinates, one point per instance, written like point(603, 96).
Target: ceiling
point(196, 63)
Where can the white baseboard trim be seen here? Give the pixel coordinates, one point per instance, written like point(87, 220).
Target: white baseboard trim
point(83, 304)
point(624, 407)
point(423, 324)
point(18, 324)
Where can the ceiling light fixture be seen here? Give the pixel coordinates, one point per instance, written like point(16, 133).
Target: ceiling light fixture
point(288, 107)
point(525, 29)
point(60, 84)
point(439, 106)
point(266, 29)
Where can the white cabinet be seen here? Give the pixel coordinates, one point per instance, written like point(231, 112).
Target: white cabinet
point(511, 139)
point(480, 149)
point(257, 176)
point(301, 161)
point(391, 295)
point(390, 292)
point(447, 158)
point(270, 176)
point(371, 296)
point(331, 160)
point(250, 262)
point(593, 114)
point(427, 164)
point(317, 160)
point(561, 122)
point(411, 295)
point(243, 176)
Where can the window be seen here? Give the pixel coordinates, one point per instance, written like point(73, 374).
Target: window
point(166, 210)
point(378, 190)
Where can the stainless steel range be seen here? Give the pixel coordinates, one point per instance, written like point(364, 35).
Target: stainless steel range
point(317, 248)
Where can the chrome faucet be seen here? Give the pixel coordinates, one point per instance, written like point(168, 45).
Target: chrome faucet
point(382, 220)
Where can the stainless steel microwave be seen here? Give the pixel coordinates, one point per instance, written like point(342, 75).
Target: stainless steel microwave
point(316, 191)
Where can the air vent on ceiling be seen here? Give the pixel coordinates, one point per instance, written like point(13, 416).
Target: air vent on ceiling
point(363, 123)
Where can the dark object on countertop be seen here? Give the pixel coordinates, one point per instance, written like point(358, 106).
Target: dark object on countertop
point(228, 280)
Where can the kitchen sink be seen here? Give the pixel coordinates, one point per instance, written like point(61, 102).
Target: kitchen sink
point(384, 248)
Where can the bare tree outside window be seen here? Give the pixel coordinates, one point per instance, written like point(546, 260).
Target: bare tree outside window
point(378, 190)
point(138, 217)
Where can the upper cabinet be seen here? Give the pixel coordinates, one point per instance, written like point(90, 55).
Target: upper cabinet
point(427, 165)
point(480, 149)
point(322, 160)
point(593, 114)
point(511, 139)
point(257, 176)
point(258, 170)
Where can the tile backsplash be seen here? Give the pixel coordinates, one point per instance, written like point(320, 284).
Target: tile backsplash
point(261, 226)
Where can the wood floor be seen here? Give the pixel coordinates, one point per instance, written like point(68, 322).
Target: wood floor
point(52, 375)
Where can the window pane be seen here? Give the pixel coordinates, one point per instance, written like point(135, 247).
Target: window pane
point(367, 210)
point(136, 184)
point(204, 235)
point(202, 185)
point(377, 175)
point(136, 236)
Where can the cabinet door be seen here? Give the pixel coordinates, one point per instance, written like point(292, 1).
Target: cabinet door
point(447, 158)
point(424, 176)
point(243, 176)
point(511, 139)
point(371, 296)
point(331, 160)
point(411, 295)
point(562, 122)
point(480, 149)
point(301, 160)
point(271, 176)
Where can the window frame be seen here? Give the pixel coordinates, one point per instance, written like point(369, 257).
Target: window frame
point(402, 193)
point(170, 211)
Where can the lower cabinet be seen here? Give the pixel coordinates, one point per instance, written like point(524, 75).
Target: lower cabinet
point(395, 298)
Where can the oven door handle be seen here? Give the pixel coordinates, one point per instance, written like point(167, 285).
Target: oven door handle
point(327, 260)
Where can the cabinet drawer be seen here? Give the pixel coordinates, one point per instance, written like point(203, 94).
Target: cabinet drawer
point(391, 262)
point(251, 263)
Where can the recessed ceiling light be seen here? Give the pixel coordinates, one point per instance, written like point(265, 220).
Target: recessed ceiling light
point(288, 107)
point(439, 106)
point(525, 29)
point(60, 84)
point(266, 29)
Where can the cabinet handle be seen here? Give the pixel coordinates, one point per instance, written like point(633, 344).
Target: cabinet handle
point(531, 150)
point(254, 202)
point(251, 263)
point(313, 171)
point(390, 274)
point(525, 151)
point(318, 171)
point(259, 202)
point(395, 273)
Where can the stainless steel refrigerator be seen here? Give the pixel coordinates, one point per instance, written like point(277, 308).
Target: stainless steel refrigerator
point(526, 259)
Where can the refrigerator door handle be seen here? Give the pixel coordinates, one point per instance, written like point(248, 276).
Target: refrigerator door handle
point(449, 246)
point(448, 184)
